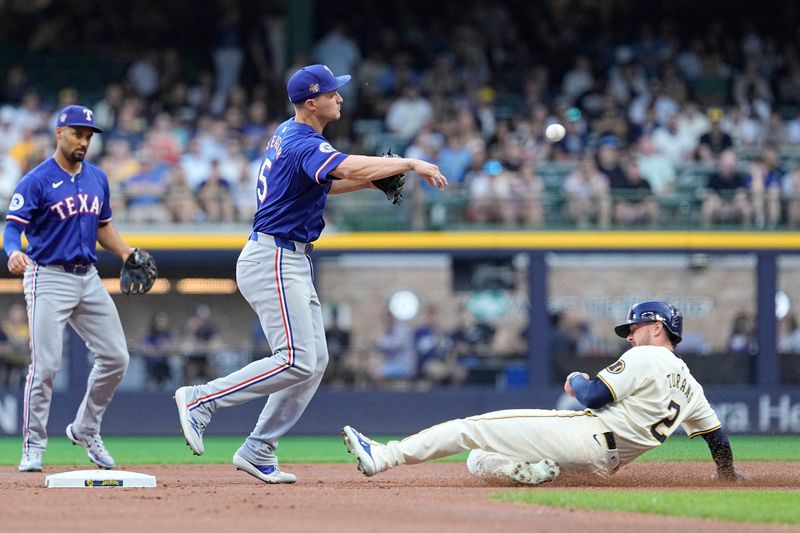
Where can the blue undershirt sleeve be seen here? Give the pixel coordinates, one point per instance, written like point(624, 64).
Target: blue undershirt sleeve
point(12, 236)
point(592, 393)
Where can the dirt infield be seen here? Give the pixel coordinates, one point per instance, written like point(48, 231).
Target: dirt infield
point(333, 498)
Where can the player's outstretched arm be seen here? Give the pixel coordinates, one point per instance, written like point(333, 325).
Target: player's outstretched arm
point(371, 168)
point(722, 454)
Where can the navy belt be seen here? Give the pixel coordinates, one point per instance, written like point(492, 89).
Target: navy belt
point(286, 244)
point(79, 269)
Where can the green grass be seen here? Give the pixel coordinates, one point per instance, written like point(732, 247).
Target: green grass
point(778, 507)
point(329, 449)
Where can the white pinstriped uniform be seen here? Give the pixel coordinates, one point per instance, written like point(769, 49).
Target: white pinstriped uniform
point(653, 394)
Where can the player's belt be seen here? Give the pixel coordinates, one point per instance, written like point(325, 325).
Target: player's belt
point(79, 269)
point(610, 442)
point(280, 242)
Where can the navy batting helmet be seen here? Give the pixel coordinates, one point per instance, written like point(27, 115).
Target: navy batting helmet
point(654, 312)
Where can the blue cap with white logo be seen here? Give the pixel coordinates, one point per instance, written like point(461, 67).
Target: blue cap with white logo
point(312, 81)
point(77, 115)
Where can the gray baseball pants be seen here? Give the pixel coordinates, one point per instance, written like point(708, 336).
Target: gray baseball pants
point(56, 298)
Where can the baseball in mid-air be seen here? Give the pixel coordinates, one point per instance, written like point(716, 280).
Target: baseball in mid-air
point(555, 132)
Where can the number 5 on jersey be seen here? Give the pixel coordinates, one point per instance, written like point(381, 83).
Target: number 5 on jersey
point(261, 186)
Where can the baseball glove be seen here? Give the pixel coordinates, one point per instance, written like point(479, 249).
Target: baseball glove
point(392, 186)
point(138, 274)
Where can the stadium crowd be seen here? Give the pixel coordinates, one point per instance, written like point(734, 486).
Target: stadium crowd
point(660, 124)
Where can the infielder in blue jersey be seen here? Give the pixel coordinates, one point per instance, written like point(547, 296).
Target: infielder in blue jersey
point(64, 209)
point(274, 271)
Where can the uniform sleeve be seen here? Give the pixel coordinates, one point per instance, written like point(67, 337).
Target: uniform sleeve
point(105, 210)
point(319, 158)
point(621, 377)
point(702, 419)
point(24, 201)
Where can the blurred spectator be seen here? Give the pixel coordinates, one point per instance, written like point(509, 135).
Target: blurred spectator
point(789, 335)
point(398, 360)
point(14, 346)
point(456, 156)
point(492, 195)
point(715, 140)
point(215, 196)
point(692, 122)
point(267, 46)
point(677, 146)
point(726, 197)
point(341, 54)
point(437, 362)
point(180, 199)
point(588, 195)
point(10, 173)
point(409, 113)
point(145, 190)
point(195, 165)
point(742, 339)
point(107, 108)
point(656, 168)
point(634, 203)
point(791, 194)
point(578, 80)
point(156, 348)
point(228, 55)
point(528, 197)
point(143, 75)
point(573, 144)
point(608, 160)
point(764, 183)
point(199, 343)
point(472, 339)
point(340, 369)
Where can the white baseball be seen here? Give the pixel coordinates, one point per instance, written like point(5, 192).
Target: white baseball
point(555, 132)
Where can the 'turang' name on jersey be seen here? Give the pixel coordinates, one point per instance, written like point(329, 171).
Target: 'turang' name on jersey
point(76, 205)
point(676, 382)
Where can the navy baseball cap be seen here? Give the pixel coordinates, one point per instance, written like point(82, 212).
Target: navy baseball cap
point(77, 115)
point(312, 81)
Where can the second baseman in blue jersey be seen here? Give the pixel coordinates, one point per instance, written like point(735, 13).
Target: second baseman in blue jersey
point(63, 207)
point(274, 272)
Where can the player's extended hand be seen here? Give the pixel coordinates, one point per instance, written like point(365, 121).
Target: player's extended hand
point(430, 173)
point(568, 387)
point(18, 262)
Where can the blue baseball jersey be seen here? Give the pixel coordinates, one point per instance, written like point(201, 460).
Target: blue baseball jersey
point(293, 183)
point(60, 214)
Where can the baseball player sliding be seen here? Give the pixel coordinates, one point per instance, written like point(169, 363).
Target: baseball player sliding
point(633, 406)
point(63, 206)
point(299, 170)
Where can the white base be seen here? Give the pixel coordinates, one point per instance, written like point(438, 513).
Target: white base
point(84, 479)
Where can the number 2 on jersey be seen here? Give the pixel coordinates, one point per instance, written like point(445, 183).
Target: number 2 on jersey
point(667, 421)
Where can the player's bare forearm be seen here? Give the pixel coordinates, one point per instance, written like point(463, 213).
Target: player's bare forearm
point(109, 238)
point(343, 186)
point(371, 168)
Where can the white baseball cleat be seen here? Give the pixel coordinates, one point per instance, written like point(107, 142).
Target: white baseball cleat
point(95, 448)
point(364, 449)
point(31, 461)
point(533, 474)
point(191, 426)
point(266, 473)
